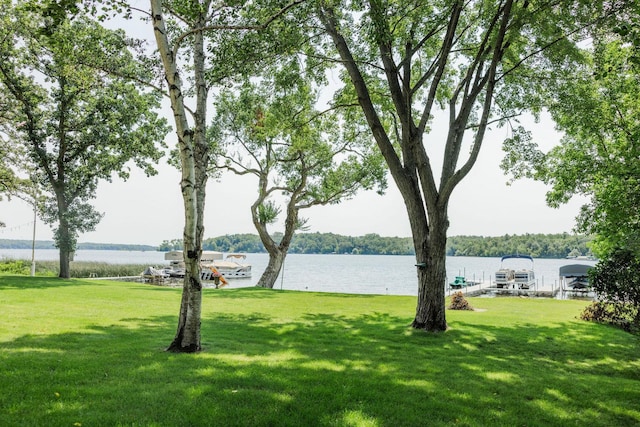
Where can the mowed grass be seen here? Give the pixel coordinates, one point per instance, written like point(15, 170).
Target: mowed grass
point(86, 353)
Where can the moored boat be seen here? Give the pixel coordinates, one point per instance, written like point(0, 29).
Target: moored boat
point(504, 278)
point(510, 278)
point(458, 283)
point(575, 277)
point(229, 268)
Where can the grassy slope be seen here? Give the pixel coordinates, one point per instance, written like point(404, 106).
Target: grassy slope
point(90, 353)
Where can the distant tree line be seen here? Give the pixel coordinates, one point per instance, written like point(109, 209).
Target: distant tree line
point(306, 243)
point(26, 244)
point(536, 245)
point(49, 244)
point(116, 247)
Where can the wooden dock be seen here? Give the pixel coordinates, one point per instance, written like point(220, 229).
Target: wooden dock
point(487, 288)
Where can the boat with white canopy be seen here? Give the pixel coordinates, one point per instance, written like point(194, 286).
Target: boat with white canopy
point(509, 278)
point(229, 268)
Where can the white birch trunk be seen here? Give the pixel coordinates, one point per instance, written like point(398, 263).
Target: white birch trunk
point(187, 337)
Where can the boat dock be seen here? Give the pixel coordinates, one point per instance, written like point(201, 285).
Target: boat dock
point(488, 288)
point(573, 282)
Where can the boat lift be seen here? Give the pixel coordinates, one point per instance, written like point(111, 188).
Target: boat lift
point(575, 277)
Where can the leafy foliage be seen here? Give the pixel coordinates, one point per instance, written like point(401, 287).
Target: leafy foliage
point(14, 163)
point(269, 128)
point(73, 101)
point(599, 156)
point(615, 314)
point(8, 178)
point(78, 269)
point(596, 106)
point(617, 283)
point(268, 212)
point(15, 267)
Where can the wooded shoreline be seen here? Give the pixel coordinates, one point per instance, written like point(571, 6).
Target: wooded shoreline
point(537, 245)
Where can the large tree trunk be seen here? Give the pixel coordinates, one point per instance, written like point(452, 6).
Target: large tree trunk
point(63, 238)
point(271, 273)
point(431, 261)
point(429, 224)
point(187, 338)
point(277, 251)
point(65, 270)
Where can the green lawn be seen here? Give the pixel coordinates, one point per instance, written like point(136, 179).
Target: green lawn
point(77, 352)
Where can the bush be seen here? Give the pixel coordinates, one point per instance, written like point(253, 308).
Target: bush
point(459, 302)
point(617, 314)
point(19, 266)
point(617, 283)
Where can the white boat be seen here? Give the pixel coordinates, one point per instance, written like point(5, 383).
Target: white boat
point(504, 278)
point(510, 278)
point(229, 268)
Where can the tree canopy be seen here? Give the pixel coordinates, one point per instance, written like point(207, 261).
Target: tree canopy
point(596, 106)
point(478, 64)
point(301, 157)
point(8, 179)
point(70, 94)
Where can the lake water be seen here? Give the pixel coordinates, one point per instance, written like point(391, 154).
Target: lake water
point(358, 274)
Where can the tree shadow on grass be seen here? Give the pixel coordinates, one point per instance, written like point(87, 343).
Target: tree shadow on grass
point(321, 369)
point(257, 291)
point(250, 292)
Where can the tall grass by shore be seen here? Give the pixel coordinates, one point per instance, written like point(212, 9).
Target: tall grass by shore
point(85, 353)
point(77, 269)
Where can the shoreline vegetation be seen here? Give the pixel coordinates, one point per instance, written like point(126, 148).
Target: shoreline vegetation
point(77, 269)
point(561, 245)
